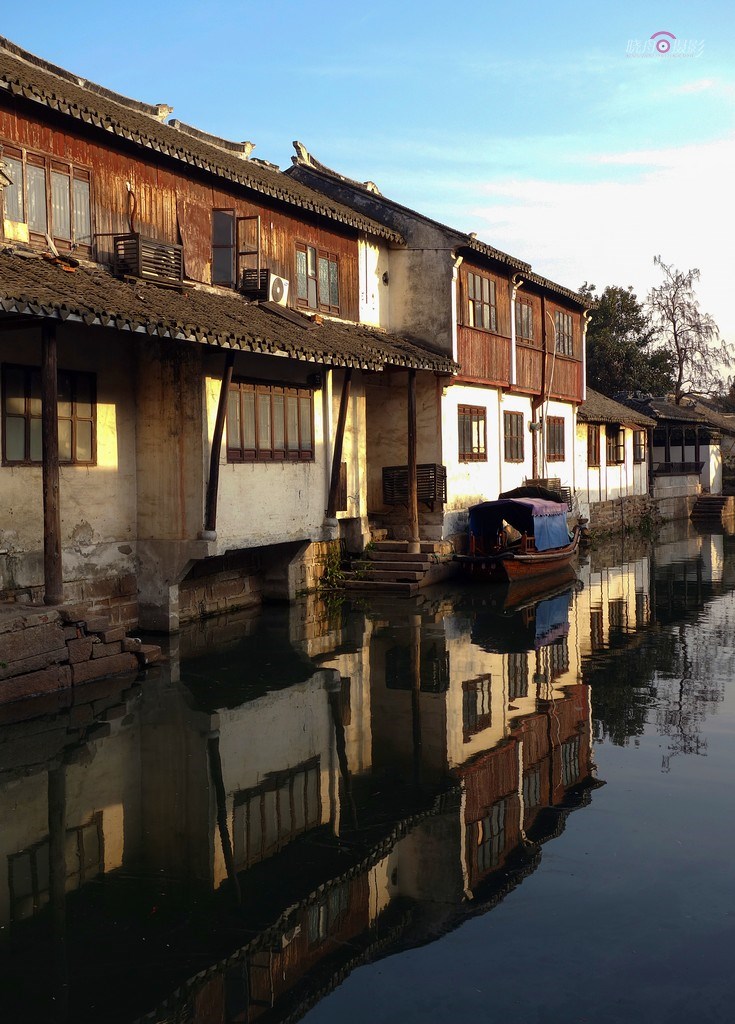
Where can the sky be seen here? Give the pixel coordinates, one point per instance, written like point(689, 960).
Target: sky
point(558, 132)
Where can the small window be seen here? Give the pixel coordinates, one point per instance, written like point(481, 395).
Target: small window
point(21, 405)
point(481, 311)
point(268, 423)
point(317, 278)
point(513, 436)
point(476, 705)
point(524, 320)
point(223, 247)
point(593, 444)
point(639, 446)
point(472, 433)
point(555, 448)
point(564, 329)
point(615, 436)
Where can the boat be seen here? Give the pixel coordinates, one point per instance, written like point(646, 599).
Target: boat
point(518, 537)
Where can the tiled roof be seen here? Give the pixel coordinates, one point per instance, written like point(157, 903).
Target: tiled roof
point(314, 166)
point(34, 79)
point(664, 409)
point(598, 408)
point(90, 294)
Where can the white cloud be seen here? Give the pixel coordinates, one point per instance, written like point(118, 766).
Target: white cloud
point(679, 205)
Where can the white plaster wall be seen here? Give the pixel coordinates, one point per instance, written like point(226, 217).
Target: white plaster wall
point(470, 482)
point(374, 262)
point(97, 503)
point(110, 784)
point(514, 474)
point(268, 502)
point(279, 731)
point(387, 426)
point(564, 468)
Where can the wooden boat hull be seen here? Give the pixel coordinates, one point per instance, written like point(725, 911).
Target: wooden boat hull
point(508, 566)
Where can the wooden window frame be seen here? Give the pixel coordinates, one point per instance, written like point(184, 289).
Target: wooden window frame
point(513, 439)
point(231, 246)
point(593, 445)
point(640, 446)
point(477, 705)
point(319, 255)
point(29, 415)
point(50, 166)
point(615, 444)
point(481, 302)
point(555, 439)
point(524, 319)
point(289, 785)
point(242, 452)
point(476, 415)
point(564, 333)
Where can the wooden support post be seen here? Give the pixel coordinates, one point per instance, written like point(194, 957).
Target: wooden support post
point(210, 515)
point(57, 886)
point(220, 794)
point(338, 443)
point(414, 543)
point(52, 570)
point(415, 662)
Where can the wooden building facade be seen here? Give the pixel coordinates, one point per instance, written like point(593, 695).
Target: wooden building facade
point(191, 315)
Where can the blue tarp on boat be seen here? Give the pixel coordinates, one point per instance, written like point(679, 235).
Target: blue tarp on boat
point(544, 520)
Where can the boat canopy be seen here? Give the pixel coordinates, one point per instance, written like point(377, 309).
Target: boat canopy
point(545, 521)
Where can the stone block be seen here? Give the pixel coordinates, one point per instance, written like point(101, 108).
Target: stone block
point(72, 613)
point(109, 636)
point(80, 650)
point(131, 644)
point(32, 683)
point(115, 712)
point(31, 641)
point(100, 731)
point(41, 661)
point(72, 632)
point(106, 650)
point(148, 654)
point(80, 715)
point(97, 623)
point(97, 667)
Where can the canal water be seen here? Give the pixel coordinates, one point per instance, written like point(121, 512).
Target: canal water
point(483, 803)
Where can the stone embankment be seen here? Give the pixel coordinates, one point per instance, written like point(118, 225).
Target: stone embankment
point(49, 650)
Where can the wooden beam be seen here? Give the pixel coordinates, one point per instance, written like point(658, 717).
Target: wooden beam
point(338, 443)
point(414, 543)
point(52, 570)
point(210, 514)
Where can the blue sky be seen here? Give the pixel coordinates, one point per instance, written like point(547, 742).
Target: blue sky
point(529, 124)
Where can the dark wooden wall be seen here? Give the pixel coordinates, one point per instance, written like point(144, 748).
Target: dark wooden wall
point(174, 205)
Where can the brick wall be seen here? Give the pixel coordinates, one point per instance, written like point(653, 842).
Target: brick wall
point(622, 514)
point(221, 584)
point(43, 651)
point(115, 597)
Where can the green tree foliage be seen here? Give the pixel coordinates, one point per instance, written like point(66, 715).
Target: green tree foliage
point(620, 345)
point(689, 337)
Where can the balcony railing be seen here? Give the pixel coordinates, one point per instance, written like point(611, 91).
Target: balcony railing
point(431, 484)
point(148, 260)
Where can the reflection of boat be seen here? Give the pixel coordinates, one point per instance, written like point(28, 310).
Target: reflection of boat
point(525, 626)
point(539, 545)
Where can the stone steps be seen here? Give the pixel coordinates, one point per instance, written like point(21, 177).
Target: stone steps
point(711, 508)
point(389, 566)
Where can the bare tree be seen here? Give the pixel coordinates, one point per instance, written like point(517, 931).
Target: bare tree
point(689, 336)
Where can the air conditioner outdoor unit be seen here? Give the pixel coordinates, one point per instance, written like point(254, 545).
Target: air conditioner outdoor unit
point(277, 289)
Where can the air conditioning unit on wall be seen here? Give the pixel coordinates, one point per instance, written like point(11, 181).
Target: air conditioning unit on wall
point(264, 286)
point(277, 289)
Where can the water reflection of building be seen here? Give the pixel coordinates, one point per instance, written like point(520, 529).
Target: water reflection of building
point(257, 829)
